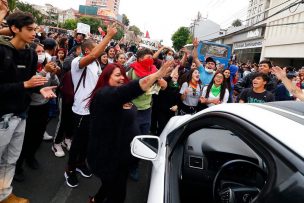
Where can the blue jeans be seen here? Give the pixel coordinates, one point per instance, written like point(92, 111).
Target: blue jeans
point(144, 121)
point(11, 139)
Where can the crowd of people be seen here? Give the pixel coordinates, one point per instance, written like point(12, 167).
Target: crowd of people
point(106, 93)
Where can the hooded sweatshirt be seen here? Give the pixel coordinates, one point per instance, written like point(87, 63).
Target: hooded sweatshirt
point(16, 67)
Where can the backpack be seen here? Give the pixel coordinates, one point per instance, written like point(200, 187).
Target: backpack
point(67, 87)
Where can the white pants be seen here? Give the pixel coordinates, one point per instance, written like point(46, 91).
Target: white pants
point(11, 139)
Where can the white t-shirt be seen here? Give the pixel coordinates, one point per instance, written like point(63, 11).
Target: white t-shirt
point(80, 99)
point(211, 96)
point(192, 96)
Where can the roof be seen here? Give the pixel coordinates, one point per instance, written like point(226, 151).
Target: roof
point(282, 120)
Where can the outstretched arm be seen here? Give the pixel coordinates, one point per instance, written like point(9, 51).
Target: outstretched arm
point(281, 75)
point(195, 54)
point(95, 53)
point(146, 82)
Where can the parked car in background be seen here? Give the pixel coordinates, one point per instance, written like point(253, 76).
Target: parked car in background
point(228, 153)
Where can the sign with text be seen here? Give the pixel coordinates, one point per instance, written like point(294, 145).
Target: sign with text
point(248, 44)
point(83, 28)
point(149, 43)
point(254, 33)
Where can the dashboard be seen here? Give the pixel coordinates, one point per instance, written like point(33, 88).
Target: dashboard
point(208, 149)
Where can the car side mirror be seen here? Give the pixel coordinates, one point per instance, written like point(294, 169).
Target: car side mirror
point(145, 147)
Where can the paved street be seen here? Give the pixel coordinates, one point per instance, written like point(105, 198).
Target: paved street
point(47, 184)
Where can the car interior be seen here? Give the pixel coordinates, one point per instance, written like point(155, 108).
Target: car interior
point(218, 166)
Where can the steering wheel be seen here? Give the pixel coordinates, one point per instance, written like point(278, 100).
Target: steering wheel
point(238, 192)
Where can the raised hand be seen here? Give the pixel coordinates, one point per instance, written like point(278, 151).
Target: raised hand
point(279, 72)
point(165, 69)
point(111, 30)
point(195, 42)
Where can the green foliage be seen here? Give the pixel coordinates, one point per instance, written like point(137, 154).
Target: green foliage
point(237, 23)
point(190, 39)
point(11, 5)
point(119, 34)
point(25, 7)
point(70, 24)
point(180, 38)
point(125, 20)
point(93, 22)
point(135, 29)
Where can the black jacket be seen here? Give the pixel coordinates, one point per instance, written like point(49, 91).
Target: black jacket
point(246, 82)
point(16, 67)
point(112, 128)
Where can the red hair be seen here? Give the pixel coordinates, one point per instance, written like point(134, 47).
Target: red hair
point(104, 78)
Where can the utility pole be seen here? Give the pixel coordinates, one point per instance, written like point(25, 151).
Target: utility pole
point(193, 24)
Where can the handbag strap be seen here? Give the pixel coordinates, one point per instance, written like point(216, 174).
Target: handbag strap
point(83, 76)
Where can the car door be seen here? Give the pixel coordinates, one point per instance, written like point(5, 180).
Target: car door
point(268, 153)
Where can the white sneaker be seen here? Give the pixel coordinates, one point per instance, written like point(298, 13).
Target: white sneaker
point(46, 136)
point(67, 143)
point(58, 151)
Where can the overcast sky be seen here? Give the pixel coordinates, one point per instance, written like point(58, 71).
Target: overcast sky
point(163, 17)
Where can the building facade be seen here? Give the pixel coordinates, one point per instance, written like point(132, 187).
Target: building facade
point(112, 5)
point(66, 15)
point(284, 38)
point(257, 11)
point(206, 29)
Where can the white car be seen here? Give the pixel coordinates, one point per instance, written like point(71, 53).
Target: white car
point(228, 153)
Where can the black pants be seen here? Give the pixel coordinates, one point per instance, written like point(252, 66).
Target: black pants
point(65, 124)
point(113, 190)
point(78, 151)
point(36, 123)
point(162, 120)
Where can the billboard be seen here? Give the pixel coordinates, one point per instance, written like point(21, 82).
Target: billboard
point(106, 12)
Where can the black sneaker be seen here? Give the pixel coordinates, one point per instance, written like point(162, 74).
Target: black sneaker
point(71, 178)
point(84, 171)
point(19, 175)
point(33, 163)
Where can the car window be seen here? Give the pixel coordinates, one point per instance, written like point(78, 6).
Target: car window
point(205, 151)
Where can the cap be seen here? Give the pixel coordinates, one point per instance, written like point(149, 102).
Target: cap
point(210, 59)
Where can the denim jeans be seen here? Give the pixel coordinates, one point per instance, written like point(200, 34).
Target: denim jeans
point(144, 121)
point(11, 139)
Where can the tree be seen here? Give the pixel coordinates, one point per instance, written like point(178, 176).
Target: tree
point(93, 22)
point(11, 5)
point(125, 20)
point(25, 7)
point(237, 23)
point(70, 24)
point(135, 29)
point(180, 38)
point(119, 34)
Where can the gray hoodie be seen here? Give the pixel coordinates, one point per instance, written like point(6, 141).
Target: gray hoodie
point(37, 98)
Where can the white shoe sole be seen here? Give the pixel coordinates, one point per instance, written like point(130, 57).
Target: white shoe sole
point(66, 180)
point(55, 153)
point(84, 175)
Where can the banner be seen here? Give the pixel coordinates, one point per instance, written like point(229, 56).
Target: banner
point(106, 12)
point(149, 43)
point(83, 28)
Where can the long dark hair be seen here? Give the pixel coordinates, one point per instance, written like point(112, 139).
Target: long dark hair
point(103, 79)
point(223, 86)
point(228, 80)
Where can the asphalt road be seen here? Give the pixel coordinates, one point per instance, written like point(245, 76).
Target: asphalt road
point(47, 184)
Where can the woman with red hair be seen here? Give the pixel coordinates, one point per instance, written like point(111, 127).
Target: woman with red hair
point(113, 126)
